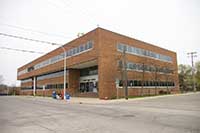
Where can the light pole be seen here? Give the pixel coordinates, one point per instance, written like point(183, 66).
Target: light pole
point(64, 89)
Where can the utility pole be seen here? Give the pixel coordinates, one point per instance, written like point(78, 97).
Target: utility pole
point(192, 55)
point(156, 81)
point(143, 71)
point(124, 72)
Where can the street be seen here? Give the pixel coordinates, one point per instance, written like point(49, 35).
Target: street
point(170, 114)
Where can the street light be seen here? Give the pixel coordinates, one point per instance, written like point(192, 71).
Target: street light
point(64, 89)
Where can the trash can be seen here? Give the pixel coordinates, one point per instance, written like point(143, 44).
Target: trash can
point(54, 94)
point(67, 96)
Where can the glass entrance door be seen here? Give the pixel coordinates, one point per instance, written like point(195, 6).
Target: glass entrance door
point(89, 84)
point(88, 87)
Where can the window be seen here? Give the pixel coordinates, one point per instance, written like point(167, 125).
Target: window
point(142, 52)
point(81, 48)
point(26, 80)
point(89, 71)
point(51, 75)
point(74, 51)
point(22, 72)
point(120, 47)
point(30, 69)
point(147, 68)
point(87, 46)
point(129, 49)
point(120, 83)
point(90, 44)
point(130, 66)
point(70, 52)
point(138, 83)
point(130, 83)
point(135, 83)
point(77, 49)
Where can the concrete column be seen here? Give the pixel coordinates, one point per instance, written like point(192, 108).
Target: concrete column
point(34, 85)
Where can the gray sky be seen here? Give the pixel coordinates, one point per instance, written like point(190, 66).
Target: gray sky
point(171, 24)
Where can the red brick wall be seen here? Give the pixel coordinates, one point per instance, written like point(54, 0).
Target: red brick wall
point(105, 52)
point(108, 71)
point(73, 81)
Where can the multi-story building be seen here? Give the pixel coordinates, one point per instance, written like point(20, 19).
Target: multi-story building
point(98, 63)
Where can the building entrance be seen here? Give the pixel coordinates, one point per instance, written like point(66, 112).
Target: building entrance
point(89, 84)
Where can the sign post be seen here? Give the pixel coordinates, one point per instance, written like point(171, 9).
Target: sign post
point(44, 94)
point(117, 87)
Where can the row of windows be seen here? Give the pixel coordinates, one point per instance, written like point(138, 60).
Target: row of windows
point(22, 72)
point(46, 76)
point(51, 75)
point(49, 86)
point(26, 80)
point(146, 68)
point(69, 53)
point(52, 86)
point(56, 86)
point(79, 49)
point(147, 83)
point(89, 71)
point(142, 52)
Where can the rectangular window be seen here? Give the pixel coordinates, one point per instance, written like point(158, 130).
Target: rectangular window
point(90, 44)
point(87, 46)
point(142, 52)
point(129, 49)
point(71, 52)
point(120, 47)
point(74, 51)
point(81, 48)
point(77, 49)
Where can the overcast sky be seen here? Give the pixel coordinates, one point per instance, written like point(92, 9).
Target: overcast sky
point(171, 24)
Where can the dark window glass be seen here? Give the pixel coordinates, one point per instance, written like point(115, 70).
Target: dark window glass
point(120, 83)
point(81, 48)
point(90, 44)
point(89, 71)
point(130, 83)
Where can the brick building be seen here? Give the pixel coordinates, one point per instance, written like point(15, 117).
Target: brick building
point(94, 69)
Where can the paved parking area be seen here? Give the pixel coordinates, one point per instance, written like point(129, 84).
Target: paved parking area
point(170, 114)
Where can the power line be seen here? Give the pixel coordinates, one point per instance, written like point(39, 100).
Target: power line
point(34, 40)
point(21, 50)
point(32, 30)
point(29, 39)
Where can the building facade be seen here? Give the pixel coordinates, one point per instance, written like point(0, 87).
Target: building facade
point(96, 64)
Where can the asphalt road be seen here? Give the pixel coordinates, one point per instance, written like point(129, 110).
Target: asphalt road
point(171, 114)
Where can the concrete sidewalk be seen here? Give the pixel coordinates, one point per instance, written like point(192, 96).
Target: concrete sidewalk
point(80, 100)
